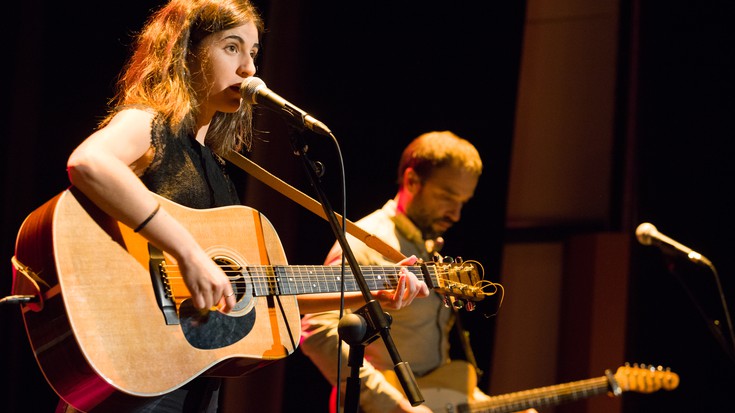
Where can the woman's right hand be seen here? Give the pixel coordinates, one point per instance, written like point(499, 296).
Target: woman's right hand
point(207, 282)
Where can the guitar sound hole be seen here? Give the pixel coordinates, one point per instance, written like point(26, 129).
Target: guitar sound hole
point(242, 289)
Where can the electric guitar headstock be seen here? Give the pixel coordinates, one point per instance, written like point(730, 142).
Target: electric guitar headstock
point(645, 379)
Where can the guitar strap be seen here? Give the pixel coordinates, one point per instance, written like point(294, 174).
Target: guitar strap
point(311, 204)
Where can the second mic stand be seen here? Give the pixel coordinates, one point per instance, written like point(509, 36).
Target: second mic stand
point(376, 321)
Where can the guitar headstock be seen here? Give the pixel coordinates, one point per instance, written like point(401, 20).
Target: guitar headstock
point(645, 379)
point(461, 280)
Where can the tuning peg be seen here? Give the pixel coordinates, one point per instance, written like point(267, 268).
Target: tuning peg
point(458, 260)
point(446, 302)
point(448, 259)
point(470, 306)
point(458, 304)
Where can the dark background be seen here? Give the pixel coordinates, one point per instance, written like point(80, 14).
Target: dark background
point(379, 74)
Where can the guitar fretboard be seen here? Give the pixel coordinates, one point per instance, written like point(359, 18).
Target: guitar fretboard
point(313, 279)
point(544, 396)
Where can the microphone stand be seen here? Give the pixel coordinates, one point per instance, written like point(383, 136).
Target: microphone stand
point(671, 255)
point(714, 327)
point(354, 330)
point(371, 315)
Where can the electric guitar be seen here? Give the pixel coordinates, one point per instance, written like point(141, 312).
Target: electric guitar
point(449, 388)
point(112, 318)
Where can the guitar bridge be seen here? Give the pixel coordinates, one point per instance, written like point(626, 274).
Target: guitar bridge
point(161, 288)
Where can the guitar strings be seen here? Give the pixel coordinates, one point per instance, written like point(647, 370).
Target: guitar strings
point(374, 274)
point(640, 379)
point(378, 275)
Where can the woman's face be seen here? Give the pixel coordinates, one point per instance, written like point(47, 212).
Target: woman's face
point(223, 60)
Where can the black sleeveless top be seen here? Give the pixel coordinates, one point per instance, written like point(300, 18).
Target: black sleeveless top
point(186, 172)
point(191, 175)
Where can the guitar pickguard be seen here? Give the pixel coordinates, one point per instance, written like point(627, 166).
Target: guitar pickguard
point(209, 330)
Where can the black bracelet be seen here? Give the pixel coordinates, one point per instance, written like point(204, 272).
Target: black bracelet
point(147, 220)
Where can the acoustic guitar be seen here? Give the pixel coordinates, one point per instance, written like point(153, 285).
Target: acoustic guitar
point(112, 318)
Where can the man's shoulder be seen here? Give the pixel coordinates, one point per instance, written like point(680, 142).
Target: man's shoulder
point(378, 223)
point(379, 216)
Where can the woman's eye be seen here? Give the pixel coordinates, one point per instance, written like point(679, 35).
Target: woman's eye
point(231, 48)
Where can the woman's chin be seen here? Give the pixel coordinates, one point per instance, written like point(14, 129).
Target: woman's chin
point(231, 107)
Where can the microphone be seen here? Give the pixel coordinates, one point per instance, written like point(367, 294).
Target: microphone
point(254, 91)
point(647, 234)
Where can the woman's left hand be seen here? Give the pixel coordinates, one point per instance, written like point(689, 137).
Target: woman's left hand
point(409, 287)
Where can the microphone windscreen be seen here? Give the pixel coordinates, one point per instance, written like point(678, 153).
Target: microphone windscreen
point(644, 232)
point(249, 88)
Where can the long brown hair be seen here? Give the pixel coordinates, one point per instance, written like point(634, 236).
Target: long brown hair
point(157, 75)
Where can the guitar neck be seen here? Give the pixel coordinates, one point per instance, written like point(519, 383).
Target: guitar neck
point(541, 397)
point(313, 279)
